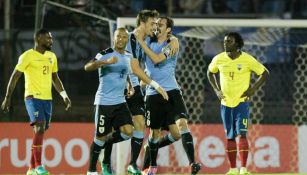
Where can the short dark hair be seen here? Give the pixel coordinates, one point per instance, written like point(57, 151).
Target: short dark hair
point(169, 21)
point(238, 38)
point(39, 32)
point(145, 14)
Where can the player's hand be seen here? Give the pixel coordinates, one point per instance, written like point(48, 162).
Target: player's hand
point(248, 93)
point(162, 92)
point(219, 94)
point(174, 45)
point(130, 91)
point(112, 60)
point(143, 84)
point(139, 35)
point(6, 104)
point(67, 103)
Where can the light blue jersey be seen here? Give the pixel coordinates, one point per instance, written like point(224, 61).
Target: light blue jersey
point(137, 52)
point(135, 49)
point(112, 78)
point(164, 72)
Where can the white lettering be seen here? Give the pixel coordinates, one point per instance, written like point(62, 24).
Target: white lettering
point(212, 152)
point(15, 150)
point(68, 152)
point(268, 152)
point(53, 143)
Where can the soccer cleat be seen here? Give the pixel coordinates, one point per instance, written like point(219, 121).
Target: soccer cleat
point(31, 172)
point(91, 173)
point(152, 170)
point(40, 170)
point(195, 167)
point(133, 169)
point(232, 171)
point(106, 169)
point(243, 171)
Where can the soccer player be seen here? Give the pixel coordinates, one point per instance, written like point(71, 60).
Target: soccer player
point(160, 66)
point(146, 22)
point(112, 112)
point(234, 90)
point(39, 66)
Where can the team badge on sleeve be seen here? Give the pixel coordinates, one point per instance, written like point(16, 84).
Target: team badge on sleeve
point(166, 51)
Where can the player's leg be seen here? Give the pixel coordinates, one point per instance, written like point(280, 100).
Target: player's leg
point(136, 106)
point(231, 148)
point(166, 140)
point(156, 110)
point(180, 114)
point(241, 113)
point(153, 144)
point(106, 163)
point(102, 128)
point(36, 112)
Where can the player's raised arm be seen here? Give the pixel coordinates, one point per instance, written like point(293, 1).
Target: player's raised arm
point(9, 91)
point(95, 64)
point(156, 58)
point(136, 69)
point(58, 85)
point(173, 45)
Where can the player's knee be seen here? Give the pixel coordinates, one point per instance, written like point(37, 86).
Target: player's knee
point(242, 135)
point(175, 133)
point(127, 130)
point(39, 128)
point(176, 136)
point(139, 123)
point(101, 138)
point(182, 124)
point(156, 133)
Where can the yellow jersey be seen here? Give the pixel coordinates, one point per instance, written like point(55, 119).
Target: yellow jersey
point(38, 69)
point(235, 75)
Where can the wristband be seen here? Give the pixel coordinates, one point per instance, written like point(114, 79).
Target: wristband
point(154, 84)
point(64, 94)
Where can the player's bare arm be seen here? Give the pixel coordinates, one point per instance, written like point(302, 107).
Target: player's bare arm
point(9, 91)
point(173, 45)
point(130, 89)
point(252, 89)
point(212, 79)
point(94, 64)
point(136, 69)
point(58, 85)
point(156, 58)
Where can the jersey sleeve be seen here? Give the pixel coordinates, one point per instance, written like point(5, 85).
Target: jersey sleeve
point(213, 67)
point(100, 56)
point(23, 62)
point(256, 66)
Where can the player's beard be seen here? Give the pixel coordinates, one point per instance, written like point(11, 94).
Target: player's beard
point(48, 47)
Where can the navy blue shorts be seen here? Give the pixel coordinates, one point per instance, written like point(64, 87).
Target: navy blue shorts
point(136, 102)
point(161, 113)
point(39, 110)
point(108, 117)
point(235, 120)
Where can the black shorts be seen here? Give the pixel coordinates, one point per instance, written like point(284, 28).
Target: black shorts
point(111, 116)
point(161, 113)
point(136, 102)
